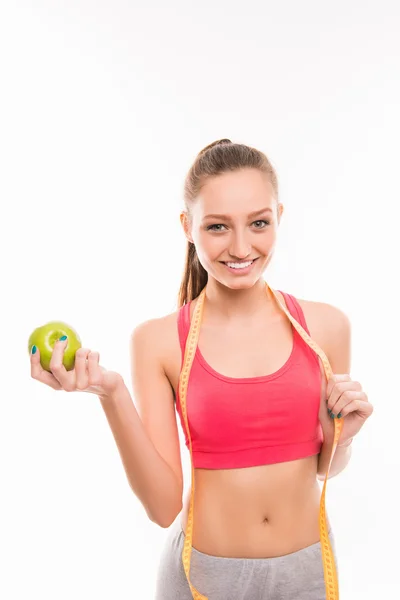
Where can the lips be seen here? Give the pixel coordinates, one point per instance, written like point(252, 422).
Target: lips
point(240, 271)
point(239, 262)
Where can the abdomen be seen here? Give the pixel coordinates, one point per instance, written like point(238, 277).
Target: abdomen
point(256, 512)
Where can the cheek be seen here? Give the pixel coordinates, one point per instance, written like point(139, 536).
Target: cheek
point(268, 240)
point(209, 246)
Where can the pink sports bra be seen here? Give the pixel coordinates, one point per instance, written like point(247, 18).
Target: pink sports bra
point(251, 421)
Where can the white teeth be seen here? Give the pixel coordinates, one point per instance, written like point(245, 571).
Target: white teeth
point(239, 265)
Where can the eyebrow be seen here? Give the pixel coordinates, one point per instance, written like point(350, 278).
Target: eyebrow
point(227, 217)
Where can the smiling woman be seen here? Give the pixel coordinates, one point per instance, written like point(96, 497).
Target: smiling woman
point(246, 366)
point(235, 234)
point(259, 380)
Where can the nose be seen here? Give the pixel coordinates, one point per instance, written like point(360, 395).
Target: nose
point(240, 247)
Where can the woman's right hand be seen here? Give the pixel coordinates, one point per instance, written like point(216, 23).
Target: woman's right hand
point(86, 376)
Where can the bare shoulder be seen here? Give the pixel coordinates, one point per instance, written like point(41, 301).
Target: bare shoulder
point(160, 337)
point(158, 332)
point(324, 315)
point(330, 327)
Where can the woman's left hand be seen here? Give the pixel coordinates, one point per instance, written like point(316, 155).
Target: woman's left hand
point(345, 399)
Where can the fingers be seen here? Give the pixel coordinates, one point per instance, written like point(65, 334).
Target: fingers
point(81, 369)
point(360, 404)
point(87, 368)
point(65, 378)
point(38, 373)
point(86, 372)
point(348, 402)
point(335, 380)
point(94, 369)
point(339, 389)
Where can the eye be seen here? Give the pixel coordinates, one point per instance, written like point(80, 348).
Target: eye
point(262, 221)
point(210, 227)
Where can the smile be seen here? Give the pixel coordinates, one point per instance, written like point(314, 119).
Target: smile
point(242, 267)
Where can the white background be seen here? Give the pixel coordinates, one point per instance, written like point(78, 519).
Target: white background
point(103, 108)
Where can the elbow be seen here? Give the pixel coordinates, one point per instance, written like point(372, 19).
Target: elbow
point(165, 520)
point(166, 524)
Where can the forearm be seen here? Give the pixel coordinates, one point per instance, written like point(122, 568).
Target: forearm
point(150, 477)
point(340, 460)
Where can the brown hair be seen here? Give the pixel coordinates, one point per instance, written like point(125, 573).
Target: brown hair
point(215, 159)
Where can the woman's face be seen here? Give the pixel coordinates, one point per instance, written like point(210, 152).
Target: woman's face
point(244, 230)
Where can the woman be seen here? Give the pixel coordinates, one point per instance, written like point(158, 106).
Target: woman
point(259, 408)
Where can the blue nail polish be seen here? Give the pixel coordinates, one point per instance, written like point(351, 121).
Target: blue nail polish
point(339, 415)
point(329, 411)
point(332, 415)
point(34, 349)
point(63, 338)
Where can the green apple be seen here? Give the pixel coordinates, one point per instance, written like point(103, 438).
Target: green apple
point(47, 335)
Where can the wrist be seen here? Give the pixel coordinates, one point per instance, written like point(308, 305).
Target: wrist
point(119, 391)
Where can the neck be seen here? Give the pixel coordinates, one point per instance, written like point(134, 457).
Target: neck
point(224, 303)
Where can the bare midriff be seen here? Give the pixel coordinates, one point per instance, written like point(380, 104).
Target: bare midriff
point(255, 512)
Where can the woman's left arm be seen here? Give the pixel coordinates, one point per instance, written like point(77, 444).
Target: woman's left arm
point(341, 398)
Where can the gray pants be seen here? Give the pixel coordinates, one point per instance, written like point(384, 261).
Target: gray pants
point(296, 576)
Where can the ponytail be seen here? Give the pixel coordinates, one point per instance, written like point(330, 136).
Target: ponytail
point(194, 279)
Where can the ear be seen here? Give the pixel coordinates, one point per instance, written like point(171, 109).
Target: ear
point(185, 222)
point(280, 211)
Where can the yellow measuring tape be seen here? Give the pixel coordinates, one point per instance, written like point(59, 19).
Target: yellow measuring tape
point(330, 575)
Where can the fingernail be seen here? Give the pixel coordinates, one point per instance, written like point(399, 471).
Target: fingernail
point(329, 411)
point(63, 338)
point(34, 349)
point(339, 415)
point(332, 415)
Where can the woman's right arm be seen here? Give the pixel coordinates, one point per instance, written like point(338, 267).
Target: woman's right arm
point(147, 439)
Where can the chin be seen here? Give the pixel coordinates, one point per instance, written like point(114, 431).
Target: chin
point(237, 284)
point(241, 285)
